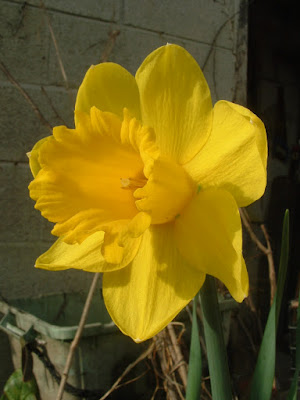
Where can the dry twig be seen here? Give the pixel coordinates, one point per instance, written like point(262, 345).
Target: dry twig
point(272, 274)
point(77, 337)
point(177, 356)
point(160, 341)
point(266, 250)
point(52, 106)
point(116, 385)
point(109, 45)
point(26, 96)
point(61, 65)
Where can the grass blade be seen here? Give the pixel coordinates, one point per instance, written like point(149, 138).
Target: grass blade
point(262, 382)
point(193, 389)
point(214, 339)
point(294, 386)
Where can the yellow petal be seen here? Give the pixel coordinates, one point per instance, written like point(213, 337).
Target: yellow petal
point(235, 156)
point(86, 256)
point(121, 236)
point(109, 87)
point(146, 295)
point(175, 101)
point(259, 130)
point(33, 156)
point(208, 234)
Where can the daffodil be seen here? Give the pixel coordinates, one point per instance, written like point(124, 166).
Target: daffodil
point(146, 188)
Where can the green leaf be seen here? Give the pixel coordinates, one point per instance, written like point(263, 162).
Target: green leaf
point(16, 389)
point(298, 337)
point(214, 339)
point(294, 386)
point(283, 263)
point(193, 389)
point(262, 382)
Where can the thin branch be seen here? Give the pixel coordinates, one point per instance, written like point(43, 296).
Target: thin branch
point(177, 356)
point(266, 250)
point(61, 65)
point(77, 336)
point(168, 383)
point(26, 96)
point(52, 106)
point(128, 369)
point(109, 45)
point(202, 342)
point(272, 273)
point(247, 334)
point(213, 43)
point(136, 378)
point(204, 388)
point(251, 233)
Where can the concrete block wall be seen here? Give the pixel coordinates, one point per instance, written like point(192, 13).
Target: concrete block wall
point(214, 32)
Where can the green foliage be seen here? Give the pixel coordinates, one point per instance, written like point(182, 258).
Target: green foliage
point(261, 387)
point(193, 390)
point(294, 386)
point(17, 389)
point(214, 339)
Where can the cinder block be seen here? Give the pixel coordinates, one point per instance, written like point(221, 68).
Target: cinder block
point(20, 222)
point(19, 278)
point(199, 20)
point(29, 51)
point(107, 10)
point(21, 128)
point(24, 43)
point(82, 42)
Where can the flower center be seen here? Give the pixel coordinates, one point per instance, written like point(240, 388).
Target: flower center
point(168, 190)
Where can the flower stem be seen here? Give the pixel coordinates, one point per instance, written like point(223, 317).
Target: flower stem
point(214, 338)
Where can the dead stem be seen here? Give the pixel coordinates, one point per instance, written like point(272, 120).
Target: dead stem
point(77, 337)
point(109, 45)
point(160, 341)
point(266, 250)
point(177, 356)
point(52, 106)
point(204, 388)
point(272, 274)
point(26, 96)
point(59, 59)
point(116, 385)
point(246, 331)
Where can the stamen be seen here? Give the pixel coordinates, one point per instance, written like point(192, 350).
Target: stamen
point(132, 183)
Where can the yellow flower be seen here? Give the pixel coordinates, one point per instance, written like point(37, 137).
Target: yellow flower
point(147, 186)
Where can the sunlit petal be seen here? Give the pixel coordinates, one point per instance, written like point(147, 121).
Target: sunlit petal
point(235, 155)
point(209, 235)
point(86, 256)
point(109, 87)
point(146, 295)
point(175, 101)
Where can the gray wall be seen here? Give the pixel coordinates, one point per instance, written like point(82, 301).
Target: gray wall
point(215, 32)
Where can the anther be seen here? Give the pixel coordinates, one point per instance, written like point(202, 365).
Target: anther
point(131, 183)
